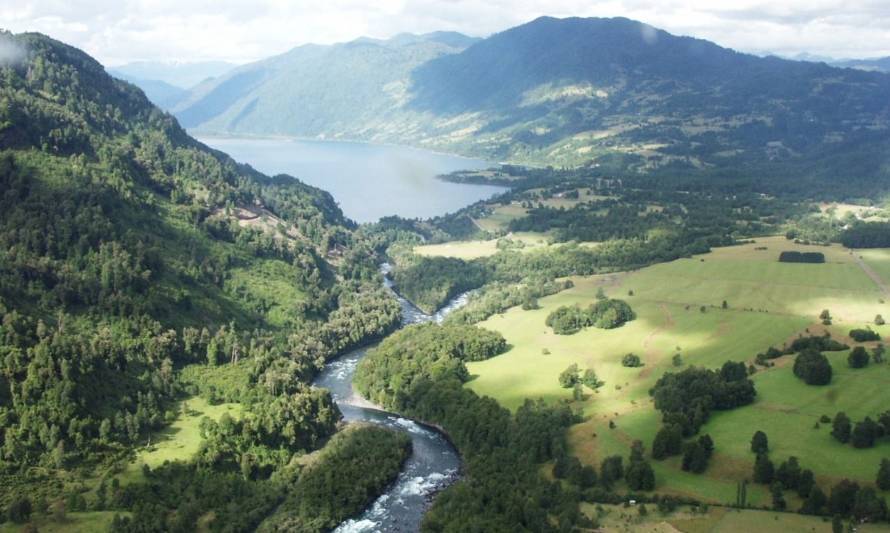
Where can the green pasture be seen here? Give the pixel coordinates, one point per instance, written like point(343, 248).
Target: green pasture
point(768, 304)
point(88, 522)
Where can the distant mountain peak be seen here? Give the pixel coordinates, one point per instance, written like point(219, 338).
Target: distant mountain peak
point(569, 91)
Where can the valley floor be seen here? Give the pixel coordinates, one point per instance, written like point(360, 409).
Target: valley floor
point(679, 311)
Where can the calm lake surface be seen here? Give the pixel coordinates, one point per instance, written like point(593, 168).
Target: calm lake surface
point(369, 181)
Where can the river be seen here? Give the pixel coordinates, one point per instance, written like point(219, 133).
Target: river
point(369, 181)
point(434, 463)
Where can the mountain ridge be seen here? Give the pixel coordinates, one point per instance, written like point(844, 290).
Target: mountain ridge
point(611, 92)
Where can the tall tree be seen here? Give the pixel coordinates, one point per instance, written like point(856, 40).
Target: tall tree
point(759, 443)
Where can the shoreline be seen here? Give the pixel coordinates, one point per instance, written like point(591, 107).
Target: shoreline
point(199, 135)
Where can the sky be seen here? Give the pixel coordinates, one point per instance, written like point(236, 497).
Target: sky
point(239, 31)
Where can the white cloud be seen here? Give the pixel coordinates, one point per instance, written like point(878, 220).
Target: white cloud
point(119, 31)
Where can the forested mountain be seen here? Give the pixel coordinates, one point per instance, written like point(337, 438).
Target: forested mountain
point(317, 90)
point(568, 91)
point(129, 251)
point(161, 93)
point(880, 64)
point(183, 75)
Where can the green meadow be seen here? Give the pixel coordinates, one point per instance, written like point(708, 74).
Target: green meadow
point(179, 441)
point(614, 518)
point(679, 311)
point(87, 522)
point(468, 250)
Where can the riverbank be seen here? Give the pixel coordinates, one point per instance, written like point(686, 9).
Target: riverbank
point(434, 464)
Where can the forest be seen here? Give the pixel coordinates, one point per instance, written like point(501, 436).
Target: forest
point(124, 268)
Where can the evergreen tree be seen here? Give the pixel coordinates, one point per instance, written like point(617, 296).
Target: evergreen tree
point(695, 458)
point(843, 497)
point(668, 441)
point(611, 470)
point(640, 476)
point(707, 444)
point(841, 427)
point(865, 433)
point(883, 478)
point(759, 443)
point(763, 469)
point(815, 502)
point(779, 503)
point(788, 473)
point(858, 357)
point(869, 507)
point(806, 483)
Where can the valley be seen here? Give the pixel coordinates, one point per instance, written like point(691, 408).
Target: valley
point(660, 310)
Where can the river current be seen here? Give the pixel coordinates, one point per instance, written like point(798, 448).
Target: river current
point(434, 463)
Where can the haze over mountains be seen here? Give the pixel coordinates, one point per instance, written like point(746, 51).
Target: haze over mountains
point(565, 91)
point(167, 83)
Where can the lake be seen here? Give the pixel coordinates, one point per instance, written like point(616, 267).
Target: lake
point(369, 181)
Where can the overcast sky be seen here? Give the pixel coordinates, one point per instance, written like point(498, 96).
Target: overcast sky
point(120, 31)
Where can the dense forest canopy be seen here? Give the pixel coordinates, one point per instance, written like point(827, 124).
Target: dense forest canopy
point(133, 256)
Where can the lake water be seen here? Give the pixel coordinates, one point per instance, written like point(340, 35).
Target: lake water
point(368, 181)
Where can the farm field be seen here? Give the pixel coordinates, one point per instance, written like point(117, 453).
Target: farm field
point(88, 522)
point(614, 518)
point(500, 217)
point(468, 250)
point(679, 311)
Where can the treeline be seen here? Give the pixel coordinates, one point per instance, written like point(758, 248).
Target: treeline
point(355, 466)
point(801, 257)
point(497, 297)
point(862, 434)
point(304, 496)
point(867, 235)
point(419, 372)
point(429, 282)
point(846, 499)
point(392, 374)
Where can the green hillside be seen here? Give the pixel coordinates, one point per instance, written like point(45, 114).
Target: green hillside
point(139, 268)
point(316, 90)
point(616, 93)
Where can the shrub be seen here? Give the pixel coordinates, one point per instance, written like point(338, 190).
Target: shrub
point(759, 443)
point(865, 335)
point(631, 360)
point(569, 377)
point(858, 357)
point(813, 367)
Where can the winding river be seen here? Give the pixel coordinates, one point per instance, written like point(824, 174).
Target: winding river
point(434, 463)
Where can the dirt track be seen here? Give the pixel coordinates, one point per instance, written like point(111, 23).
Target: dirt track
point(872, 274)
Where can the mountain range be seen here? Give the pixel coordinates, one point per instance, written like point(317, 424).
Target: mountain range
point(610, 92)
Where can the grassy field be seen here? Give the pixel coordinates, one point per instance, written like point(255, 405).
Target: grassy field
point(73, 523)
point(614, 518)
point(180, 440)
point(501, 216)
point(468, 250)
point(769, 303)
